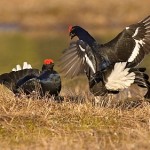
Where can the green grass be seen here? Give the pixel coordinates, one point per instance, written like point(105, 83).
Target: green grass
point(16, 48)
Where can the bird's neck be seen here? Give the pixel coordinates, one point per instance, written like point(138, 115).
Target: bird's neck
point(86, 37)
point(47, 70)
point(47, 67)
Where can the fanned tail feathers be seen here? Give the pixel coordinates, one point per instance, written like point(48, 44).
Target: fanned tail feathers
point(120, 77)
point(10, 79)
point(141, 79)
point(25, 66)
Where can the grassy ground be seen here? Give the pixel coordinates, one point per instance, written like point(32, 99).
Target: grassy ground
point(73, 124)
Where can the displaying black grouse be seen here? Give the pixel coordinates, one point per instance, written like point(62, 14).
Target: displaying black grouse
point(109, 67)
point(29, 80)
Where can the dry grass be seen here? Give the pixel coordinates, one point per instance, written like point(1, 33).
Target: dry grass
point(73, 124)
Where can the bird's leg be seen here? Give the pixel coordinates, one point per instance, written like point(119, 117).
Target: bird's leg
point(99, 100)
point(129, 94)
point(110, 97)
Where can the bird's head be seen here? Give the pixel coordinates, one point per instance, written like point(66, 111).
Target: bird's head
point(48, 64)
point(81, 33)
point(74, 31)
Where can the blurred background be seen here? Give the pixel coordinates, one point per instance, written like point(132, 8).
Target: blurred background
point(32, 30)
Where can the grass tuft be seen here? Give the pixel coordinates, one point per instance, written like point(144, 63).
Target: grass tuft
point(72, 124)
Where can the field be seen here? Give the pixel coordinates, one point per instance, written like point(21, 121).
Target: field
point(32, 31)
point(74, 123)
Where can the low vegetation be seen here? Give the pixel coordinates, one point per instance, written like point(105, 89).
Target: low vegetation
point(74, 123)
point(35, 30)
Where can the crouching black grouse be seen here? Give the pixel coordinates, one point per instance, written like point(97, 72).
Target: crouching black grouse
point(110, 67)
point(29, 80)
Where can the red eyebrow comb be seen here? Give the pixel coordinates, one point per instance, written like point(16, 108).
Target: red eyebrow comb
point(48, 61)
point(70, 28)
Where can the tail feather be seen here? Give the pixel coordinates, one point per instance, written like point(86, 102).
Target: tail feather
point(147, 95)
point(120, 77)
point(16, 76)
point(29, 66)
point(141, 79)
point(14, 69)
point(142, 69)
point(10, 79)
point(25, 66)
point(5, 80)
point(18, 67)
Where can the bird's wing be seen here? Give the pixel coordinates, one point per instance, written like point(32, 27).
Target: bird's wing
point(10, 79)
point(76, 58)
point(17, 75)
point(5, 80)
point(25, 79)
point(130, 45)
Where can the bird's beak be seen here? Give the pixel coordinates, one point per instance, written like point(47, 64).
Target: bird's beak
point(72, 35)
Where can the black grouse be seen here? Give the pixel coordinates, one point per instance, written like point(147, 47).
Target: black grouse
point(28, 80)
point(110, 67)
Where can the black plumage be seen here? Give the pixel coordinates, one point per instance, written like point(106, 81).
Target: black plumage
point(11, 79)
point(98, 83)
point(101, 62)
point(46, 82)
point(130, 45)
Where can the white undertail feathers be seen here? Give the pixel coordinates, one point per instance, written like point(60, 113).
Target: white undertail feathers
point(25, 66)
point(120, 78)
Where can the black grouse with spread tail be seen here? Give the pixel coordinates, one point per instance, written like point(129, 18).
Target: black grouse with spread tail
point(110, 67)
point(28, 80)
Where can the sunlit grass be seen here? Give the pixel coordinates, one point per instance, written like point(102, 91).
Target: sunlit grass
point(46, 124)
